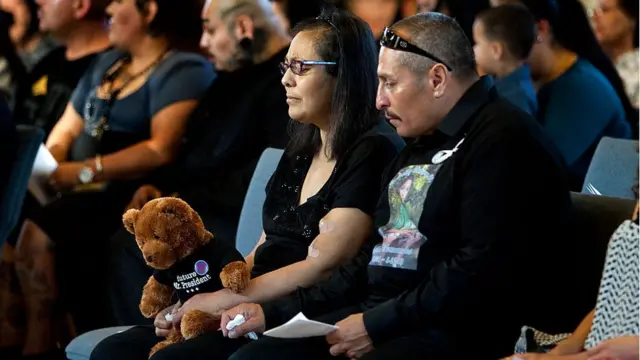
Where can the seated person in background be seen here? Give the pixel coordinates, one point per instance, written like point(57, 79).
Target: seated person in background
point(42, 99)
point(125, 119)
point(616, 28)
point(611, 330)
point(47, 89)
point(32, 43)
point(452, 245)
point(12, 70)
point(321, 198)
point(243, 112)
point(8, 149)
point(580, 95)
point(503, 39)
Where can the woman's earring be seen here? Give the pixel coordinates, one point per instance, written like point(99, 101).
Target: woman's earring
point(539, 38)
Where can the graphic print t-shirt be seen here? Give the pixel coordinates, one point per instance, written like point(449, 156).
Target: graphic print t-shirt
point(200, 271)
point(401, 239)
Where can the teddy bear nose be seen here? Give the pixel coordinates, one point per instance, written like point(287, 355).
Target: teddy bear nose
point(149, 258)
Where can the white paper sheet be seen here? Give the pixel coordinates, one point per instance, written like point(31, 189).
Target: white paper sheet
point(43, 167)
point(301, 327)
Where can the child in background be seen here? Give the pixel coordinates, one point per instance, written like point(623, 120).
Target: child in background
point(503, 38)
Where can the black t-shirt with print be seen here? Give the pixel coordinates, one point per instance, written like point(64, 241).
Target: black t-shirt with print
point(355, 183)
point(200, 271)
point(44, 97)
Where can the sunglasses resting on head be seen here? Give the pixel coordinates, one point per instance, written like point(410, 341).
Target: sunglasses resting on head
point(393, 41)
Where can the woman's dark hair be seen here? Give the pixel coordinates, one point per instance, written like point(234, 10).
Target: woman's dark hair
point(347, 40)
point(572, 30)
point(178, 20)
point(630, 8)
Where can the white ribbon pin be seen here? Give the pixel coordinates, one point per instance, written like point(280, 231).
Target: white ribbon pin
point(442, 155)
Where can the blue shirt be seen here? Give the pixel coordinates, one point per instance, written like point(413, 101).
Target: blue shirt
point(517, 87)
point(577, 109)
point(181, 76)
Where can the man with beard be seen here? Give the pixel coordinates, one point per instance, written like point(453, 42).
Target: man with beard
point(244, 112)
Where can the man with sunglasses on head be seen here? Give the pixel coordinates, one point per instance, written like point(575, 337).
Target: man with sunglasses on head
point(243, 112)
point(462, 229)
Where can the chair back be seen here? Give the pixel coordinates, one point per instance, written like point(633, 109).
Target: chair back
point(613, 169)
point(250, 223)
point(29, 140)
point(595, 218)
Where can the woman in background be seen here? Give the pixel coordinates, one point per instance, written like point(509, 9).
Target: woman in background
point(580, 95)
point(125, 119)
point(616, 28)
point(31, 44)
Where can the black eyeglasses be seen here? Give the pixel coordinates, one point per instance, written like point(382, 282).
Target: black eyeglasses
point(393, 41)
point(297, 66)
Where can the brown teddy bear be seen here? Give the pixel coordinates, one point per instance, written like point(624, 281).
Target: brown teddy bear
point(175, 243)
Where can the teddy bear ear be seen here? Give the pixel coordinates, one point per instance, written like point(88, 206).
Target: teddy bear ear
point(129, 218)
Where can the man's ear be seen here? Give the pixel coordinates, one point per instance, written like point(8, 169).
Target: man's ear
point(438, 79)
point(244, 28)
point(81, 8)
point(129, 219)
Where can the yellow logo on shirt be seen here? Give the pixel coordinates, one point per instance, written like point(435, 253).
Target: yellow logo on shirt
point(40, 87)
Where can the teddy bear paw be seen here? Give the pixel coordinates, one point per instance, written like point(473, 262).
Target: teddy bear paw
point(235, 276)
point(195, 323)
point(159, 346)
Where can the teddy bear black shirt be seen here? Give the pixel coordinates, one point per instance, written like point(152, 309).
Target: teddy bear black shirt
point(200, 271)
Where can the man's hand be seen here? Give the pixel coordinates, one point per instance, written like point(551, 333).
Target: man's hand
point(66, 176)
point(143, 195)
point(253, 317)
point(162, 325)
point(620, 348)
point(351, 338)
point(213, 303)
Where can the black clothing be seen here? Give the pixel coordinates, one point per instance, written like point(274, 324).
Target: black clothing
point(199, 272)
point(136, 342)
point(459, 243)
point(8, 147)
point(43, 99)
point(406, 347)
point(290, 226)
point(241, 114)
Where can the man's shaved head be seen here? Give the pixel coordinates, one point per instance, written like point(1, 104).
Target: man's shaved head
point(254, 8)
point(237, 31)
point(441, 36)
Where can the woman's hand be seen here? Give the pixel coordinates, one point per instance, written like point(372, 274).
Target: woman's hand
point(163, 326)
point(620, 348)
point(253, 317)
point(66, 175)
point(213, 303)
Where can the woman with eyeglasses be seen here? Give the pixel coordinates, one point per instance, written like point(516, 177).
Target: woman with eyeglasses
point(320, 200)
